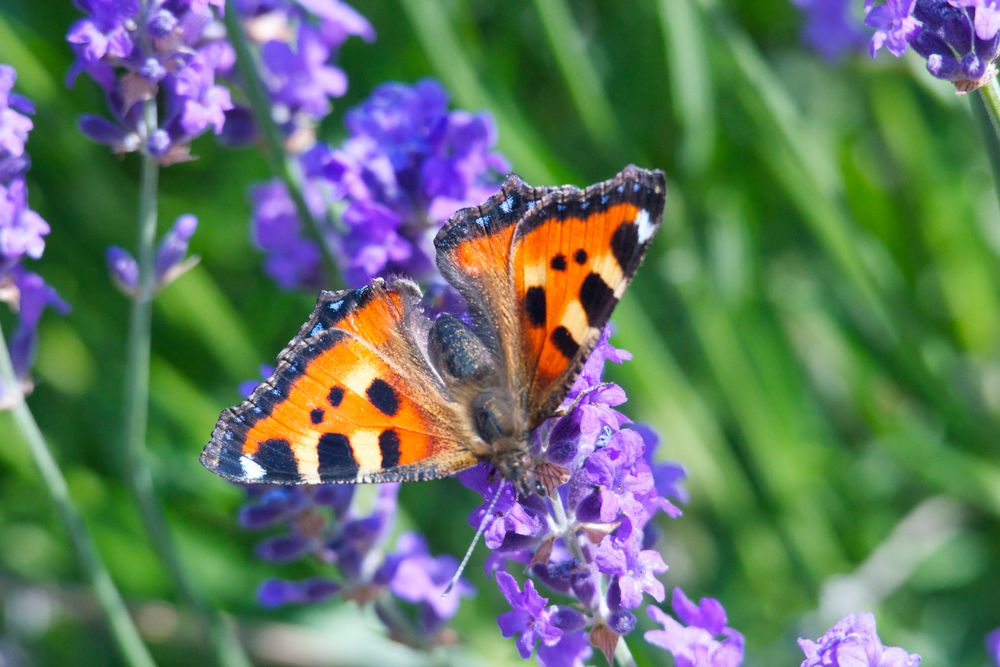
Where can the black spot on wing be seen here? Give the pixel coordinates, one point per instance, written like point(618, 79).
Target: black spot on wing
point(580, 256)
point(564, 341)
point(336, 459)
point(558, 262)
point(534, 305)
point(625, 247)
point(335, 396)
point(383, 396)
point(276, 457)
point(597, 299)
point(388, 444)
point(316, 416)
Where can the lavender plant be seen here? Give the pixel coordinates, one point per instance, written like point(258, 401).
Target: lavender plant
point(157, 63)
point(853, 641)
point(957, 38)
point(408, 163)
point(22, 236)
point(22, 233)
point(830, 27)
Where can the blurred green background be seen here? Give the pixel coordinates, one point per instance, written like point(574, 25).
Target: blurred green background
point(817, 330)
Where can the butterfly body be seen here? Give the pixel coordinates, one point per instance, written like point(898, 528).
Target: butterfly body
point(371, 390)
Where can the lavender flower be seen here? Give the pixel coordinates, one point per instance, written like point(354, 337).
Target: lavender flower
point(853, 642)
point(698, 644)
point(171, 259)
point(993, 646)
point(829, 27)
point(165, 51)
point(298, 44)
point(22, 232)
point(960, 39)
point(588, 543)
point(324, 524)
point(292, 261)
point(529, 616)
point(407, 165)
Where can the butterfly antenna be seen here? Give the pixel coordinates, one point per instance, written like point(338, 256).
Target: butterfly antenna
point(475, 540)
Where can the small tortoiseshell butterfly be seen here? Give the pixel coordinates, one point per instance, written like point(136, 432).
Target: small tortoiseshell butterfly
point(370, 390)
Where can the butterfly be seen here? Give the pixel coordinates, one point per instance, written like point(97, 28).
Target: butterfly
point(372, 390)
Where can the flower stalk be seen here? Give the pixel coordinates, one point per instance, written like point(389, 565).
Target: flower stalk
point(123, 630)
point(136, 408)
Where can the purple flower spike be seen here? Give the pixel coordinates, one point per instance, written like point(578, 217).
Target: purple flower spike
point(853, 642)
point(993, 646)
point(698, 644)
point(172, 57)
point(959, 38)
point(894, 26)
point(293, 261)
point(22, 235)
point(829, 27)
point(528, 616)
point(408, 164)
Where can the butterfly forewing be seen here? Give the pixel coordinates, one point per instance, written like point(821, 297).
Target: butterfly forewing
point(573, 255)
point(352, 399)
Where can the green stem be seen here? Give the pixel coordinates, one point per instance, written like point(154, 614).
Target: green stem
point(623, 656)
point(136, 407)
point(122, 629)
point(988, 114)
point(284, 166)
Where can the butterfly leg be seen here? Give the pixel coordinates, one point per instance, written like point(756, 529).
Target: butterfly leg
point(566, 409)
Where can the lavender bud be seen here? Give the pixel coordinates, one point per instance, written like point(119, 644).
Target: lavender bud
point(123, 269)
point(173, 248)
point(283, 549)
point(622, 622)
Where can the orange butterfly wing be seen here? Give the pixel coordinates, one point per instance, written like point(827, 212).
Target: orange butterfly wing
point(573, 256)
point(543, 268)
point(353, 399)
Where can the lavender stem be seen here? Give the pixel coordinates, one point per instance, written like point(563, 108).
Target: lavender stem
point(136, 406)
point(123, 630)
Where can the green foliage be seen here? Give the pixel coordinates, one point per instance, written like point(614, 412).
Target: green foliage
point(816, 333)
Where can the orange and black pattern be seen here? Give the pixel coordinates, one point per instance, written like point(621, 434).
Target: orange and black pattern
point(336, 409)
point(371, 391)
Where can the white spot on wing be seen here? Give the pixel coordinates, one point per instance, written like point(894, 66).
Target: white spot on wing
point(251, 469)
point(507, 204)
point(364, 445)
point(646, 226)
point(360, 378)
point(575, 320)
point(307, 459)
point(534, 274)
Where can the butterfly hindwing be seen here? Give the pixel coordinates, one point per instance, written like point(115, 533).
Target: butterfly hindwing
point(352, 399)
point(573, 255)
